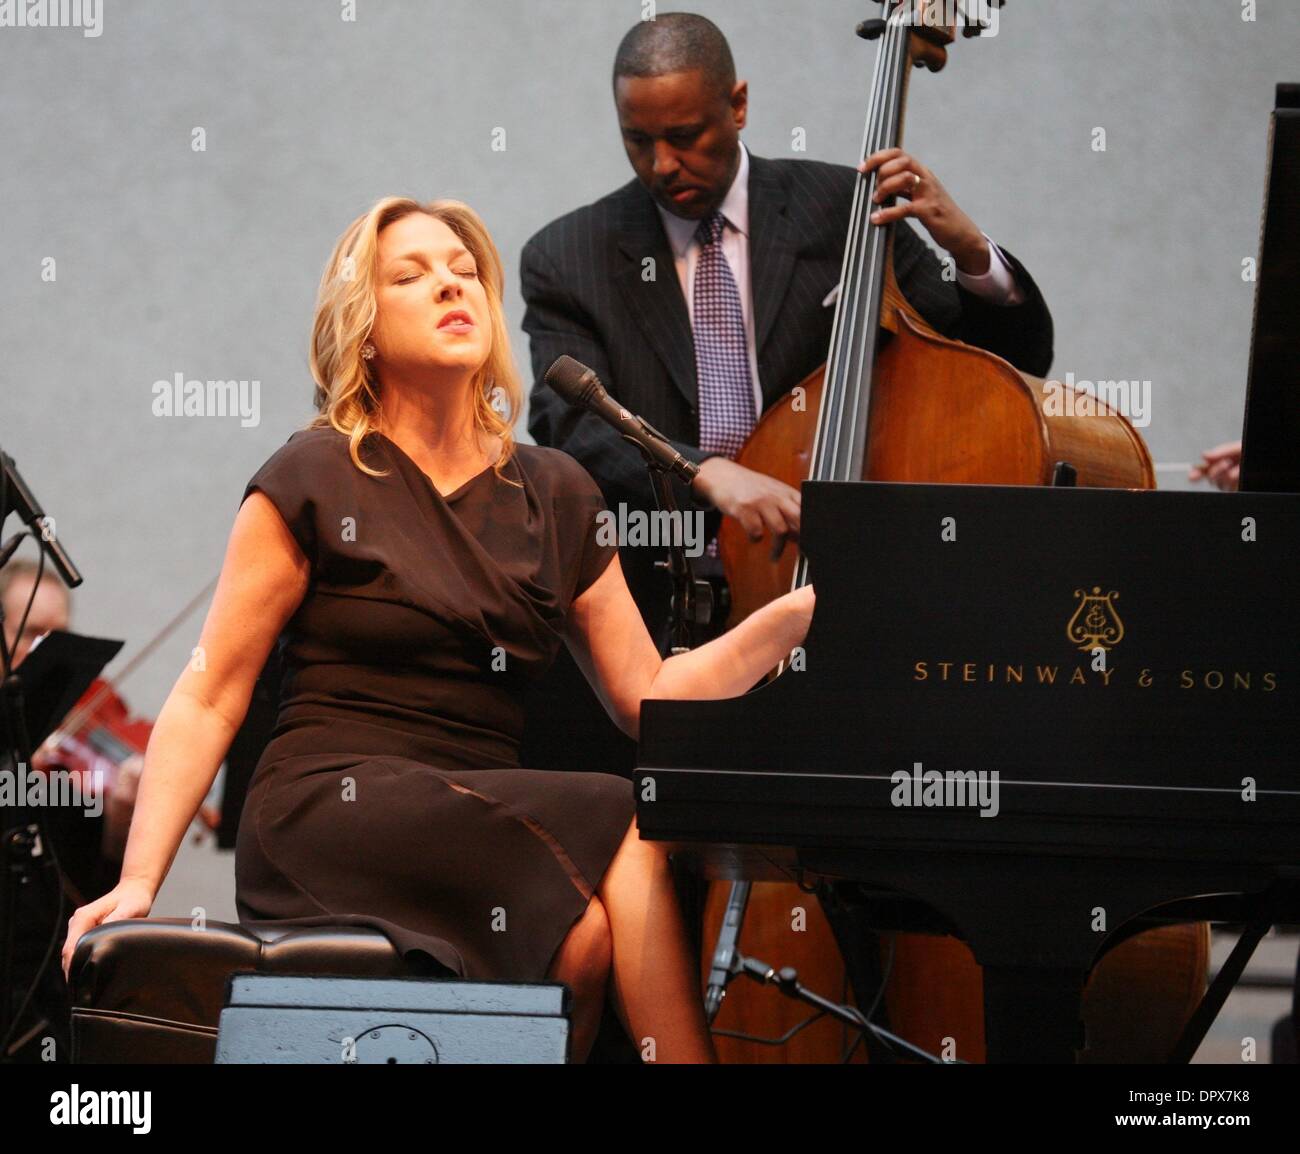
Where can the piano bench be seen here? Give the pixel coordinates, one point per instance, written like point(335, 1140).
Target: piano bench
point(150, 990)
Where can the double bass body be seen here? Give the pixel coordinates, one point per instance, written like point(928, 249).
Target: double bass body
point(941, 412)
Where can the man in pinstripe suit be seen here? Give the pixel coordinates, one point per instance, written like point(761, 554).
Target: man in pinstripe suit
point(611, 285)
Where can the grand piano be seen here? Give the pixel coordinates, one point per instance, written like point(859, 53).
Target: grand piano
point(955, 647)
point(1170, 775)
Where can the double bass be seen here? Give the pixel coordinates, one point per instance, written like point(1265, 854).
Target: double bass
point(897, 401)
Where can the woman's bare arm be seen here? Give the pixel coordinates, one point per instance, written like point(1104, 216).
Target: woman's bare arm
point(611, 645)
point(263, 580)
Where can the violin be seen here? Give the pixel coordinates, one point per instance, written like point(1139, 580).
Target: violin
point(96, 737)
point(100, 735)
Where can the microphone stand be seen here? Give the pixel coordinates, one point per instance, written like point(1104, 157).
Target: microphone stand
point(691, 606)
point(786, 980)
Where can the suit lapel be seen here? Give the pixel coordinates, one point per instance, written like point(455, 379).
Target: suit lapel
point(658, 304)
point(771, 246)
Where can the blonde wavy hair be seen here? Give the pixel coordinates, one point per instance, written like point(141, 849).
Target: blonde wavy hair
point(347, 394)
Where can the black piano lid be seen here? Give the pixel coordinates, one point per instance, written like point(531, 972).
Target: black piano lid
point(953, 654)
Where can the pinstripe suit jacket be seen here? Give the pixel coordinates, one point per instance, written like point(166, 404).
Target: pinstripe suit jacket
point(586, 296)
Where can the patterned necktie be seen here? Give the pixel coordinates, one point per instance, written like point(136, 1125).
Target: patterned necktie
point(726, 393)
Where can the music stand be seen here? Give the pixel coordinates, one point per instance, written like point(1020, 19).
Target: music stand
point(1270, 441)
point(58, 669)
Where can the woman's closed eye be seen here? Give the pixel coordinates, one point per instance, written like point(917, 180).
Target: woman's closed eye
point(467, 272)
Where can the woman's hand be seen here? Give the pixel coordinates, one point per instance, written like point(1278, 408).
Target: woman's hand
point(128, 899)
point(805, 600)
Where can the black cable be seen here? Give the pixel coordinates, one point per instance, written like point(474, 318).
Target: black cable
point(739, 1035)
point(5, 656)
point(884, 978)
point(875, 1003)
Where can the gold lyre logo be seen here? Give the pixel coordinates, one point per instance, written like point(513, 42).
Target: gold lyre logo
point(1095, 623)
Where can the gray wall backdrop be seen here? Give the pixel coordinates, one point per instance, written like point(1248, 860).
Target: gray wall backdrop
point(205, 263)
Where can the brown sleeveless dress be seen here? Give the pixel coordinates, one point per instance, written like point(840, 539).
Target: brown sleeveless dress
point(390, 794)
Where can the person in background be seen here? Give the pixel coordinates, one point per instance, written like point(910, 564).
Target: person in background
point(51, 609)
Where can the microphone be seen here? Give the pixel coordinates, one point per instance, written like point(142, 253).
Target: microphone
point(18, 498)
point(580, 386)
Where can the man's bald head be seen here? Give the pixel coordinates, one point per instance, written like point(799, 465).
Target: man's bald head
point(677, 42)
point(680, 111)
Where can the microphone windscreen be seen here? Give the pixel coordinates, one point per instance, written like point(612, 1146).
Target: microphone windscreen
point(570, 378)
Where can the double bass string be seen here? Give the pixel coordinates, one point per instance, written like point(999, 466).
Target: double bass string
point(853, 343)
point(828, 452)
point(867, 310)
point(859, 339)
point(831, 418)
point(833, 396)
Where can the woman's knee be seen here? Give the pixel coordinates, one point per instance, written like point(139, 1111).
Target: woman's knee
point(588, 948)
point(599, 939)
point(650, 854)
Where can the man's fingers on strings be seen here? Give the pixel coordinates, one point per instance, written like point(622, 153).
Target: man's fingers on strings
point(892, 213)
point(900, 165)
point(878, 159)
point(905, 184)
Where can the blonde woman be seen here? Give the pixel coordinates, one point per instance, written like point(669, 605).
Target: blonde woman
point(418, 568)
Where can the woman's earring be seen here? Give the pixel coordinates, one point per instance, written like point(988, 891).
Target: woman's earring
point(367, 352)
